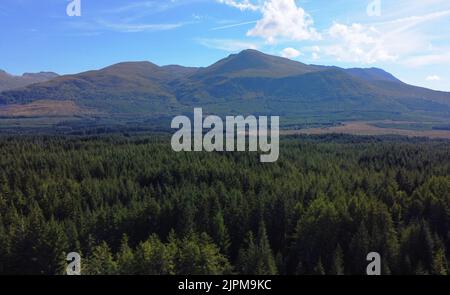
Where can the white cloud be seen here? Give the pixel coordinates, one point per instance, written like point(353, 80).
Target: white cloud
point(229, 45)
point(433, 78)
point(395, 40)
point(404, 36)
point(283, 19)
point(358, 43)
point(242, 4)
point(290, 52)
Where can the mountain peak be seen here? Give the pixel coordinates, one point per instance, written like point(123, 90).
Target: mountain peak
point(251, 62)
point(247, 52)
point(131, 65)
point(134, 70)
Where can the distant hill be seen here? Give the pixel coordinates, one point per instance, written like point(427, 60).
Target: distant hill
point(250, 82)
point(8, 81)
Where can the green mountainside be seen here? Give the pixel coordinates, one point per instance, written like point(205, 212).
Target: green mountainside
point(250, 82)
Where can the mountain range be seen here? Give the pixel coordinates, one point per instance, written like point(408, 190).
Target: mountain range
point(8, 81)
point(250, 82)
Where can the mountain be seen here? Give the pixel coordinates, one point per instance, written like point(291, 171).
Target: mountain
point(250, 82)
point(8, 81)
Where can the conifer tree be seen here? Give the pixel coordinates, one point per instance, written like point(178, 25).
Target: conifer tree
point(359, 247)
point(257, 259)
point(220, 233)
point(319, 269)
point(125, 258)
point(338, 262)
point(101, 262)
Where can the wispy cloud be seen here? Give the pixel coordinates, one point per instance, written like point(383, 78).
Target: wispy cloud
point(154, 6)
point(428, 59)
point(415, 20)
point(96, 27)
point(228, 45)
point(140, 10)
point(243, 4)
point(234, 25)
point(141, 27)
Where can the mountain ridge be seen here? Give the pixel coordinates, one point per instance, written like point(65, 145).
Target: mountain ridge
point(9, 81)
point(244, 83)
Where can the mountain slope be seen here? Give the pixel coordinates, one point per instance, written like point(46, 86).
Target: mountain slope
point(372, 74)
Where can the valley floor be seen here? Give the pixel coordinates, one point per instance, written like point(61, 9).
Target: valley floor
point(371, 128)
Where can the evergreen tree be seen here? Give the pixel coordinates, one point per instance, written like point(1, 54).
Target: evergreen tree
point(198, 255)
point(338, 262)
point(266, 262)
point(4, 249)
point(440, 266)
point(125, 258)
point(257, 259)
point(318, 269)
point(101, 262)
point(359, 247)
point(220, 233)
point(152, 257)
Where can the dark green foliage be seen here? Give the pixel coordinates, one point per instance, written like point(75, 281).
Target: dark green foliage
point(130, 205)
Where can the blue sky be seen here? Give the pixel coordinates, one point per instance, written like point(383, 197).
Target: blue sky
point(409, 38)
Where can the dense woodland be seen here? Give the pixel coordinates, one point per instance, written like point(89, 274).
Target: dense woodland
point(130, 205)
